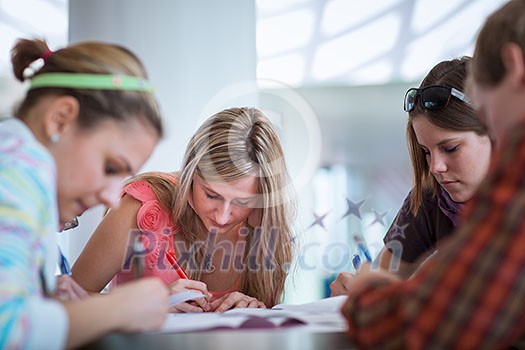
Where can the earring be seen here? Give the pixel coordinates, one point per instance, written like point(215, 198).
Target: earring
point(54, 138)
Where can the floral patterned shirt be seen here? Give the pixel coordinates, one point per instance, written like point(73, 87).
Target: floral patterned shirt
point(156, 230)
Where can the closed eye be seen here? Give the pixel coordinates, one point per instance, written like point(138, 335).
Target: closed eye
point(211, 196)
point(117, 166)
point(111, 169)
point(242, 203)
point(451, 149)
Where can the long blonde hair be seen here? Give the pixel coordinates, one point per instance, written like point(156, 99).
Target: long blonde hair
point(232, 144)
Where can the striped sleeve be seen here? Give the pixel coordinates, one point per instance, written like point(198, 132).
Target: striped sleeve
point(27, 234)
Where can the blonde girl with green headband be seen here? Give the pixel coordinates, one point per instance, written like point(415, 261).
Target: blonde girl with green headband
point(88, 120)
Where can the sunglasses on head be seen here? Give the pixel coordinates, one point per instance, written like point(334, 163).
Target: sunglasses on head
point(432, 97)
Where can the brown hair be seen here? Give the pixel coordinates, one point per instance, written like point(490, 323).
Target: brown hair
point(507, 24)
point(458, 116)
point(88, 57)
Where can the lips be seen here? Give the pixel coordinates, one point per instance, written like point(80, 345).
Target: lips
point(447, 182)
point(449, 185)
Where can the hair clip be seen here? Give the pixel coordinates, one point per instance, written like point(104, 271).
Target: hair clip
point(46, 54)
point(33, 67)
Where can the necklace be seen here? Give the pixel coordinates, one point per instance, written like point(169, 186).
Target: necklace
point(208, 266)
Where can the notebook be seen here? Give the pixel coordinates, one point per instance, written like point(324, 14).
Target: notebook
point(183, 296)
point(322, 315)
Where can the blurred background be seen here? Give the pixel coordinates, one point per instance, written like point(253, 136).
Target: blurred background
point(330, 74)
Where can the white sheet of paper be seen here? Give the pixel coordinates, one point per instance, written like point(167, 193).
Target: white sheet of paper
point(333, 304)
point(191, 322)
point(183, 296)
point(322, 315)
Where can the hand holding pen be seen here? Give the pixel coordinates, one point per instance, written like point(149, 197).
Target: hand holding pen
point(194, 305)
point(185, 284)
point(66, 288)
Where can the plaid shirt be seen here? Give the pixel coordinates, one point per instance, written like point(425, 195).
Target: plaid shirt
point(471, 295)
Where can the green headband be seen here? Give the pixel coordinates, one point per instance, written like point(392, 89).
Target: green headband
point(91, 81)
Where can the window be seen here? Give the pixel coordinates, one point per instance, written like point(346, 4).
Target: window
point(312, 42)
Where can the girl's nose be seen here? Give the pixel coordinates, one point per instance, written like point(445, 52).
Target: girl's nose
point(437, 164)
point(222, 213)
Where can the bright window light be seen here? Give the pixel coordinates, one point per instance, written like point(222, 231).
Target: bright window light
point(290, 68)
point(278, 36)
point(340, 15)
point(45, 19)
point(337, 58)
point(344, 42)
point(44, 16)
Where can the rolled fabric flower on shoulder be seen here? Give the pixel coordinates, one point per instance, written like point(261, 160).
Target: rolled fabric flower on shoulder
point(152, 217)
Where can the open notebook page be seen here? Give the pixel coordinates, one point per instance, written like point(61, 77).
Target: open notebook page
point(322, 315)
point(333, 304)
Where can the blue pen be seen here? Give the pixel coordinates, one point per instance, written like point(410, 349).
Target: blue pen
point(364, 250)
point(356, 261)
point(361, 245)
point(64, 265)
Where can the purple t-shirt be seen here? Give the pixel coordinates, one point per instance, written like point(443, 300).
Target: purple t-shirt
point(419, 234)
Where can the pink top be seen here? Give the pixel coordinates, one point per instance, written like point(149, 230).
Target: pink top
point(157, 230)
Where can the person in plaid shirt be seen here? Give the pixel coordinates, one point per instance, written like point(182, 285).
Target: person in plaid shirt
point(470, 294)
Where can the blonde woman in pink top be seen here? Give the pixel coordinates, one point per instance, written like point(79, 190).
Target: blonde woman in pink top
point(223, 221)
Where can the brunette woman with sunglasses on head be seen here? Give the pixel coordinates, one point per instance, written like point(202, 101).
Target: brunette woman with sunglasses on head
point(470, 294)
point(450, 152)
